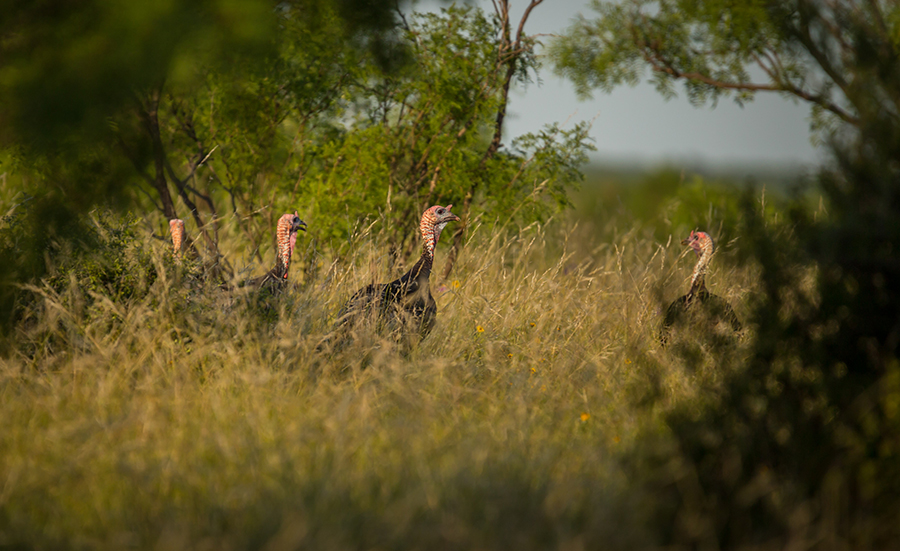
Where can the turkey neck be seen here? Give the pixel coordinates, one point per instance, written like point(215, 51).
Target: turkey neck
point(284, 245)
point(176, 228)
point(421, 270)
point(698, 280)
point(281, 268)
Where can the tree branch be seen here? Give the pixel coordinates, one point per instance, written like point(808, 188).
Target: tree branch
point(879, 18)
point(149, 114)
point(802, 34)
point(509, 54)
point(779, 86)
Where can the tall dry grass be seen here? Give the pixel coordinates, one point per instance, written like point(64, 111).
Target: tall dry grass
point(195, 418)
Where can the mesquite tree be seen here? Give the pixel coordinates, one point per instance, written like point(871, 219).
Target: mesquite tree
point(803, 49)
point(87, 91)
point(798, 448)
point(340, 109)
point(329, 130)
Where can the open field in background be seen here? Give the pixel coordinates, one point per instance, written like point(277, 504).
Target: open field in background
point(189, 417)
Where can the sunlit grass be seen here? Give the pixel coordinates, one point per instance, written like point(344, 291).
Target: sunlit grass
point(198, 418)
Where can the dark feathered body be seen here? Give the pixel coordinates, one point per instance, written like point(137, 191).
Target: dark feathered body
point(270, 281)
point(698, 300)
point(404, 305)
point(715, 308)
point(273, 280)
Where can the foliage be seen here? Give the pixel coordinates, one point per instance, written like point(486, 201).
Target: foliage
point(90, 252)
point(105, 262)
point(82, 82)
point(667, 200)
point(798, 446)
point(347, 142)
point(114, 262)
point(304, 106)
point(801, 48)
point(542, 404)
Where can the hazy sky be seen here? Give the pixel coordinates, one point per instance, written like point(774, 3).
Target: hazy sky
point(636, 124)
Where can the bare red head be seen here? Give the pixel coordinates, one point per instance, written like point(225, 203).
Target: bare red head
point(700, 241)
point(433, 221)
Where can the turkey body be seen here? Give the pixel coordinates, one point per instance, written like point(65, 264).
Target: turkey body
point(404, 306)
point(709, 311)
point(706, 304)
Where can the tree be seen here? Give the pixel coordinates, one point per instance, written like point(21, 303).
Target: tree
point(516, 56)
point(83, 85)
point(345, 115)
point(432, 131)
point(800, 48)
point(799, 448)
point(327, 129)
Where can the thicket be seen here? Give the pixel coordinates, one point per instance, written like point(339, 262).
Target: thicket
point(349, 129)
point(800, 449)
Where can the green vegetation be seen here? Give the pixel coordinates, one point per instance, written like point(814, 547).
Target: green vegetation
point(184, 416)
point(306, 109)
point(145, 406)
point(815, 52)
point(800, 447)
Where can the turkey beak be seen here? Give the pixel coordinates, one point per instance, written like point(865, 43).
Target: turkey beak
point(301, 225)
point(448, 216)
point(686, 241)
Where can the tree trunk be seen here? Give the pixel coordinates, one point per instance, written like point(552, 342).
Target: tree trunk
point(511, 50)
point(150, 117)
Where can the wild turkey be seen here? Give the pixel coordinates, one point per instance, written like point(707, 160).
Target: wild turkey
point(285, 240)
point(176, 230)
point(197, 269)
point(405, 303)
point(715, 307)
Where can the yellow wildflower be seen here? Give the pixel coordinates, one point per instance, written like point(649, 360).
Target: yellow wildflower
point(455, 284)
point(627, 361)
point(585, 417)
point(479, 328)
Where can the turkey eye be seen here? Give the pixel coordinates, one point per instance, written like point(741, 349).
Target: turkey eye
point(440, 211)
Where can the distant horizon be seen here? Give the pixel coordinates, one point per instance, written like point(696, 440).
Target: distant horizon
point(701, 163)
point(769, 175)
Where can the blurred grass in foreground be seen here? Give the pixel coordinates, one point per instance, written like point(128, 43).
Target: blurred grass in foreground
point(183, 416)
